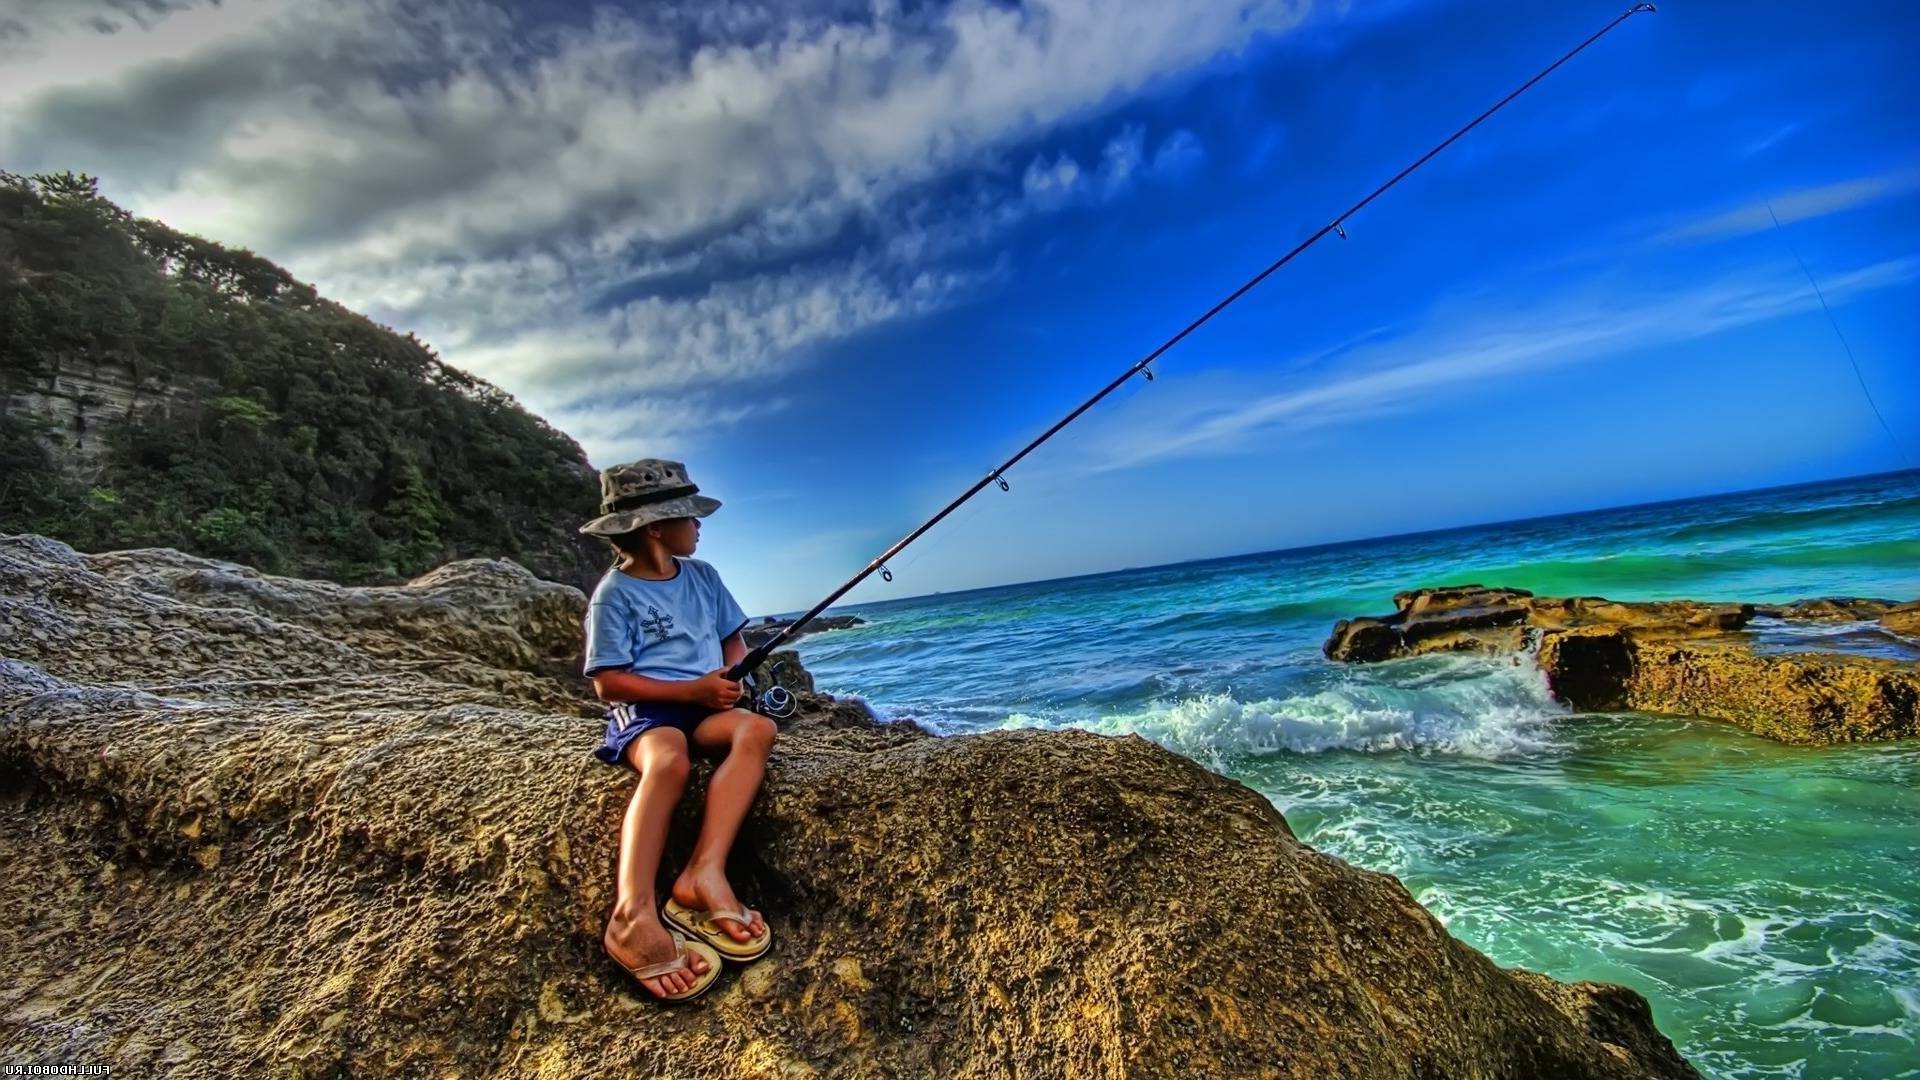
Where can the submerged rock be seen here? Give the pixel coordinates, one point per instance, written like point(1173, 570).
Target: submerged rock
point(1677, 656)
point(260, 826)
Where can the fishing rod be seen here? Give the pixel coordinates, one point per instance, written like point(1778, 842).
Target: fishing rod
point(776, 701)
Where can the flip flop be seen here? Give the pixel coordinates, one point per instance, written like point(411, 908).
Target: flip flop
point(679, 961)
point(702, 924)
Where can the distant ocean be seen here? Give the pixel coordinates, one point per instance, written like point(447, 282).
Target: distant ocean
point(1765, 898)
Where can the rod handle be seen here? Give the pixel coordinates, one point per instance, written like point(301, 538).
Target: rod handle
point(747, 663)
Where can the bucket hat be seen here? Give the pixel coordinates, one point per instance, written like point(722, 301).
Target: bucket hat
point(648, 490)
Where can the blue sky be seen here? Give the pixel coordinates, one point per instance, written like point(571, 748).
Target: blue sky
point(842, 259)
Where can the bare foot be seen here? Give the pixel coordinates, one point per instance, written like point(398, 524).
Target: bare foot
point(705, 889)
point(640, 941)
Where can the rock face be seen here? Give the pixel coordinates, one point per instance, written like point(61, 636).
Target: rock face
point(264, 827)
point(1680, 657)
point(81, 399)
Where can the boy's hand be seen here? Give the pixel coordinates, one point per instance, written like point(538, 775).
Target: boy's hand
point(714, 690)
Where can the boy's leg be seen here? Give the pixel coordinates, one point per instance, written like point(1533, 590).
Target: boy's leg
point(745, 737)
point(634, 932)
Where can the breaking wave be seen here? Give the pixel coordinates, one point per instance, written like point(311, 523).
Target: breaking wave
point(1447, 705)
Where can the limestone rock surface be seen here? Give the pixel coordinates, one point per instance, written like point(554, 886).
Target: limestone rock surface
point(1677, 656)
point(264, 827)
point(82, 398)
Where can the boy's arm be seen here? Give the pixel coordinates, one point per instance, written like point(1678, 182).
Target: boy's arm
point(713, 690)
point(733, 648)
point(615, 684)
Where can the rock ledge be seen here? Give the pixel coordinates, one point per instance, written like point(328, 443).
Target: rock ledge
point(257, 826)
point(1678, 656)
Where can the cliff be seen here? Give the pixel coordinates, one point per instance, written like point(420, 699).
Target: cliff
point(1748, 664)
point(78, 401)
point(157, 388)
point(258, 825)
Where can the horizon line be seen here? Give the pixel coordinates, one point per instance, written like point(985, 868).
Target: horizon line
point(1355, 541)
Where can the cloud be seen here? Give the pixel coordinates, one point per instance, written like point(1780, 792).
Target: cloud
point(1179, 155)
point(621, 202)
point(734, 332)
point(1800, 205)
point(617, 424)
point(1771, 139)
point(1229, 411)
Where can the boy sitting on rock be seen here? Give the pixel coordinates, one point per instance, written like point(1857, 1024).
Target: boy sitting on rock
point(661, 631)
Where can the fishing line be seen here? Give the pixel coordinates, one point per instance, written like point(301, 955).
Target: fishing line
point(1899, 448)
point(1142, 366)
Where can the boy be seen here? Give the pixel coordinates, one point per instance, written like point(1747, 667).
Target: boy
point(661, 632)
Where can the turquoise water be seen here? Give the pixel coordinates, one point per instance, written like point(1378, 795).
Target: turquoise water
point(1765, 898)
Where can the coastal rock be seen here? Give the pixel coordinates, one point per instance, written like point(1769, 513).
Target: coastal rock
point(759, 634)
point(1468, 617)
point(1677, 656)
point(1832, 609)
point(311, 839)
point(1903, 619)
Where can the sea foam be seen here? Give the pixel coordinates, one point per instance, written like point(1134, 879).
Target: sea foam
point(1467, 706)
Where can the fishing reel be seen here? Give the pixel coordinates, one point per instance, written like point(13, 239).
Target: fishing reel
point(775, 700)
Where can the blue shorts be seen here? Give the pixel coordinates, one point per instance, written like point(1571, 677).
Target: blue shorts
point(629, 719)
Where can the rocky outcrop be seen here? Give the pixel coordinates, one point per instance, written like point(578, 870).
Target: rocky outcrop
point(81, 399)
point(761, 633)
point(1680, 657)
point(1903, 619)
point(264, 827)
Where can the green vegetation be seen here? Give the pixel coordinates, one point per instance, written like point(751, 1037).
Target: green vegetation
point(289, 433)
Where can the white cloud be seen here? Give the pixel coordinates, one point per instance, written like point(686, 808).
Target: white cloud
point(631, 203)
point(1801, 205)
point(675, 350)
point(627, 428)
point(1181, 153)
point(1228, 411)
point(1771, 139)
point(1061, 180)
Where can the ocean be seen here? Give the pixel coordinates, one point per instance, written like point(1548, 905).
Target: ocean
point(1765, 898)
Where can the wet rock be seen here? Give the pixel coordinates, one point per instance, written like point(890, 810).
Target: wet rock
point(1364, 640)
point(1678, 656)
point(1589, 667)
point(1832, 609)
point(1463, 618)
point(252, 836)
point(1903, 619)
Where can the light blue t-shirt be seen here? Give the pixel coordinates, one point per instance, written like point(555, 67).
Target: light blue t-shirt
point(668, 629)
